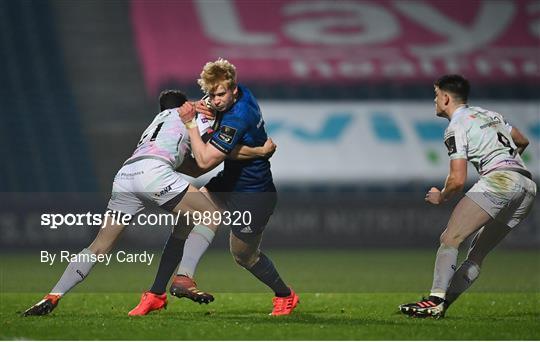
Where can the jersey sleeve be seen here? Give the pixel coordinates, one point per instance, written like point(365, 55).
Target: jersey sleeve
point(455, 139)
point(229, 133)
point(506, 124)
point(205, 127)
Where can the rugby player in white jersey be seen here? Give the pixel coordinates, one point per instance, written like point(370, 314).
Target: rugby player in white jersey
point(149, 176)
point(500, 200)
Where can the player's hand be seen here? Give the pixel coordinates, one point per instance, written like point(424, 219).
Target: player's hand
point(202, 108)
point(187, 112)
point(269, 148)
point(434, 196)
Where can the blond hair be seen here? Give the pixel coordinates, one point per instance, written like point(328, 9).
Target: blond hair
point(219, 72)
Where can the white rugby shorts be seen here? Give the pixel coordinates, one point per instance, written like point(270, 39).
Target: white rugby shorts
point(145, 181)
point(507, 196)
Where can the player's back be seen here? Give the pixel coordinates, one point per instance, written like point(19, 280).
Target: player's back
point(485, 138)
point(166, 138)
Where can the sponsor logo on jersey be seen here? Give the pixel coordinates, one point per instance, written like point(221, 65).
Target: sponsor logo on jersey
point(130, 175)
point(450, 143)
point(164, 191)
point(226, 134)
point(495, 121)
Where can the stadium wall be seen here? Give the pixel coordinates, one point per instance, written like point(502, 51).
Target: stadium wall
point(340, 219)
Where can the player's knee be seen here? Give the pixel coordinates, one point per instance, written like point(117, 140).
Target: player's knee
point(99, 249)
point(246, 260)
point(451, 239)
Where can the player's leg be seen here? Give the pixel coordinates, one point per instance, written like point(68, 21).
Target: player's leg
point(198, 241)
point(247, 254)
point(123, 202)
point(485, 240)
point(189, 200)
point(193, 201)
point(519, 202)
point(156, 298)
point(467, 218)
point(78, 269)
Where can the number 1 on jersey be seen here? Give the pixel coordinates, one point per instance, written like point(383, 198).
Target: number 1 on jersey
point(154, 135)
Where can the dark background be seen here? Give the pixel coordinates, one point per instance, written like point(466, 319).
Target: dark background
point(73, 103)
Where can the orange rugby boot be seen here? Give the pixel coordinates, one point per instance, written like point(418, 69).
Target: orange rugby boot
point(285, 305)
point(149, 302)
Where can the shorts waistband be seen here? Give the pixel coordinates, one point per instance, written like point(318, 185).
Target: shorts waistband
point(522, 172)
point(136, 159)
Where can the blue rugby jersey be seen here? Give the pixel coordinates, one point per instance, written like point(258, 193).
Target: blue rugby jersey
point(243, 124)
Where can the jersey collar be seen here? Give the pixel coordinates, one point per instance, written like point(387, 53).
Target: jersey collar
point(459, 111)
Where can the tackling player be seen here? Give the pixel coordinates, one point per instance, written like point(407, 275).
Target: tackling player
point(244, 186)
point(498, 202)
point(148, 176)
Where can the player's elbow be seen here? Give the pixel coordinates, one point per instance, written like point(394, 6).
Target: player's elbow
point(203, 164)
point(207, 163)
point(523, 143)
point(519, 138)
point(460, 184)
point(456, 183)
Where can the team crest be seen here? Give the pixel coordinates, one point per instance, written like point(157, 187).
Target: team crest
point(226, 134)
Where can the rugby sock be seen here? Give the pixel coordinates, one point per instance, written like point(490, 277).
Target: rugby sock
point(464, 277)
point(196, 244)
point(75, 272)
point(172, 253)
point(445, 266)
point(266, 272)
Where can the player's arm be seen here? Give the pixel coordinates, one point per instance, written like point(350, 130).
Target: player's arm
point(455, 139)
point(242, 152)
point(206, 155)
point(189, 167)
point(519, 139)
point(455, 181)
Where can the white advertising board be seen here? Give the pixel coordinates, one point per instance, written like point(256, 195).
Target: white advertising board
point(348, 142)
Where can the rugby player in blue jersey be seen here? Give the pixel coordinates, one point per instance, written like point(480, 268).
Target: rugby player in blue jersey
point(243, 186)
point(149, 177)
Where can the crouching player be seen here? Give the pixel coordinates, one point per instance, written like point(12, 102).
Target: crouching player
point(149, 176)
point(498, 202)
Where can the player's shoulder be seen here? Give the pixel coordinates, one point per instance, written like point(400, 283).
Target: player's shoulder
point(247, 103)
point(457, 123)
point(475, 110)
point(245, 110)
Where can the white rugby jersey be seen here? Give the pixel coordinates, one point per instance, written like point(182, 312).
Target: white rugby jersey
point(167, 138)
point(483, 138)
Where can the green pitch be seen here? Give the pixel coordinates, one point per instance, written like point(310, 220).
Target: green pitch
point(344, 295)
